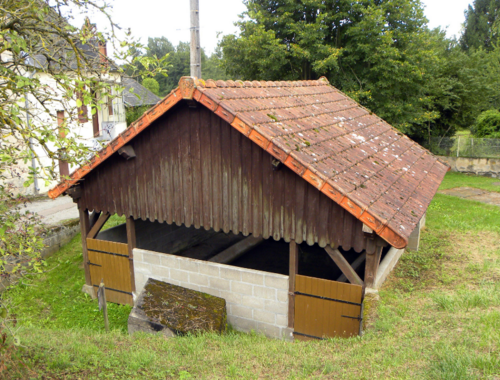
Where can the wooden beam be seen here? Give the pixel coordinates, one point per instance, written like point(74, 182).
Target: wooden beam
point(94, 217)
point(132, 243)
point(84, 228)
point(237, 250)
point(293, 271)
point(98, 225)
point(355, 265)
point(371, 266)
point(344, 266)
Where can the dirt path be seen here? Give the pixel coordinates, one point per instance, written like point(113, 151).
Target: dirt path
point(474, 194)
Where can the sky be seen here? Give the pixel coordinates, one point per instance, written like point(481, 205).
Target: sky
point(169, 18)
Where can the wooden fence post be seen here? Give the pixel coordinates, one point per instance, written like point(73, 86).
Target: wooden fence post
point(132, 243)
point(293, 270)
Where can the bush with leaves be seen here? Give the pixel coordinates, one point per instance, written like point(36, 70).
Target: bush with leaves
point(488, 124)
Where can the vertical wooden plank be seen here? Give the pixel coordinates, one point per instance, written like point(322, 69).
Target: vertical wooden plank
point(226, 152)
point(246, 186)
point(257, 214)
point(371, 266)
point(292, 273)
point(300, 193)
point(196, 165)
point(187, 170)
point(206, 168)
point(84, 228)
point(322, 220)
point(278, 203)
point(267, 194)
point(289, 212)
point(235, 178)
point(131, 244)
point(177, 173)
point(216, 164)
point(312, 214)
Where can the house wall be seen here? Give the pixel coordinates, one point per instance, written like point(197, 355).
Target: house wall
point(255, 300)
point(84, 131)
point(193, 168)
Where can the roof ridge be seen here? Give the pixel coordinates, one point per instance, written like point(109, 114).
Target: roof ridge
point(211, 83)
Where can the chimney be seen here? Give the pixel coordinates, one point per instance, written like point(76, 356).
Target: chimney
point(103, 52)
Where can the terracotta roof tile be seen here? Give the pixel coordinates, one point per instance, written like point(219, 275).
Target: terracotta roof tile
point(357, 159)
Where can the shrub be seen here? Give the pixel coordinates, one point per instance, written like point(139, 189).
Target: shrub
point(152, 85)
point(488, 124)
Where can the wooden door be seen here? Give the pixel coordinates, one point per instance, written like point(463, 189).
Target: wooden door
point(109, 262)
point(326, 309)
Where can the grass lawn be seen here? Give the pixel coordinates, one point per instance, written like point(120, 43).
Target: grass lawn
point(438, 318)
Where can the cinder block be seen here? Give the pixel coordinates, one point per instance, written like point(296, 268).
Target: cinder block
point(230, 274)
point(276, 307)
point(230, 297)
point(252, 277)
point(268, 330)
point(264, 316)
point(209, 290)
point(250, 301)
point(275, 281)
point(169, 261)
point(241, 324)
point(208, 269)
point(189, 265)
point(137, 256)
point(240, 311)
point(240, 287)
point(263, 292)
point(179, 275)
point(142, 268)
point(151, 258)
point(282, 295)
point(198, 279)
point(188, 285)
point(281, 320)
point(160, 271)
point(220, 284)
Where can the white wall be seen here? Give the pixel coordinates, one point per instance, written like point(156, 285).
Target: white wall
point(256, 300)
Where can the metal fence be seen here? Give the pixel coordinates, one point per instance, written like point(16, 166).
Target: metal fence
point(464, 146)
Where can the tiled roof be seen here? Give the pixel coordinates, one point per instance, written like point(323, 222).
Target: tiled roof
point(357, 159)
point(135, 94)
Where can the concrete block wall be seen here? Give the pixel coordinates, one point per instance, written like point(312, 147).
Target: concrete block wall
point(255, 300)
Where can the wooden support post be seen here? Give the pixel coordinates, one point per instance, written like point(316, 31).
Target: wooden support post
point(84, 228)
point(371, 266)
point(237, 250)
point(355, 265)
point(98, 225)
point(101, 295)
point(94, 217)
point(293, 271)
point(344, 266)
point(132, 243)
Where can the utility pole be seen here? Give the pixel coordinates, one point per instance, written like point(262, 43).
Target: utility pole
point(195, 39)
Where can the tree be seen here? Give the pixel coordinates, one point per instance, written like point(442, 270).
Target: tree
point(37, 39)
point(481, 26)
point(152, 85)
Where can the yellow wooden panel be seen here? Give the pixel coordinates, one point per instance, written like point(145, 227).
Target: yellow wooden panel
point(109, 262)
point(321, 318)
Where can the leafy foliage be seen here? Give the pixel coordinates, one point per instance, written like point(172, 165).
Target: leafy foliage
point(152, 85)
point(481, 25)
point(488, 124)
point(381, 53)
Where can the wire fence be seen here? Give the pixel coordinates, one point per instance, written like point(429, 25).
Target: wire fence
point(464, 146)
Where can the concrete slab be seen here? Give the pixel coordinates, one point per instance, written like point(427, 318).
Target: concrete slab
point(52, 212)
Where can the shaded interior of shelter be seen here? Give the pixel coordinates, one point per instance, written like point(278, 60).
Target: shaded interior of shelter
point(270, 255)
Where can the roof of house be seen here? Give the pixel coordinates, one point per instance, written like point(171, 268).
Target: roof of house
point(135, 94)
point(375, 172)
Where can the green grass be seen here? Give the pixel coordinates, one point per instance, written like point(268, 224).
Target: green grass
point(438, 318)
point(454, 179)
